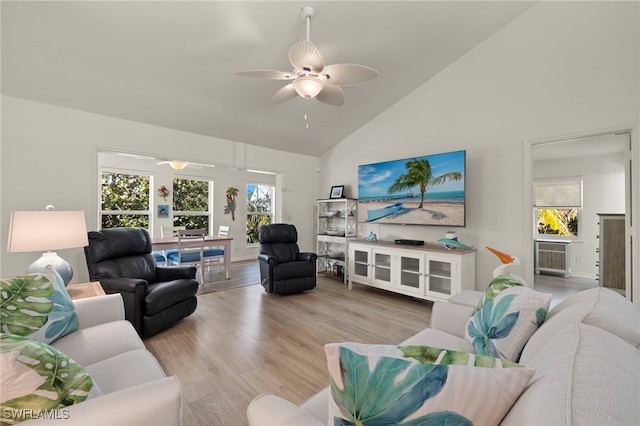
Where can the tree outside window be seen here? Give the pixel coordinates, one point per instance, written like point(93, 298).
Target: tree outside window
point(191, 203)
point(558, 203)
point(125, 200)
point(259, 209)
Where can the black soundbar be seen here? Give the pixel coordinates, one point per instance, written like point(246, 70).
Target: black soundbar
point(410, 242)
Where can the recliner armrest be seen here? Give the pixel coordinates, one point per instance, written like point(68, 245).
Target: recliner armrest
point(126, 285)
point(170, 273)
point(308, 257)
point(268, 258)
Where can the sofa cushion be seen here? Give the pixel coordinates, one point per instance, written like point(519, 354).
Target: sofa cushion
point(439, 339)
point(584, 376)
point(37, 378)
point(600, 307)
point(93, 344)
point(37, 306)
point(384, 384)
point(133, 368)
point(506, 317)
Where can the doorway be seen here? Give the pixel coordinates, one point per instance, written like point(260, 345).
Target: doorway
point(602, 164)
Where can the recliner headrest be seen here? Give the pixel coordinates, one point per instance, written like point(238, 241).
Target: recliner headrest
point(118, 242)
point(276, 233)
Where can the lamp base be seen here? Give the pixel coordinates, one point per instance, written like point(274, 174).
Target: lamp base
point(59, 264)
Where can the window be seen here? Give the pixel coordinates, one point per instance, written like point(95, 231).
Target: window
point(259, 209)
point(191, 203)
point(558, 205)
point(125, 200)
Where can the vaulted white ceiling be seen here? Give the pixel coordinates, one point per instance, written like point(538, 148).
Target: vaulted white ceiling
point(173, 63)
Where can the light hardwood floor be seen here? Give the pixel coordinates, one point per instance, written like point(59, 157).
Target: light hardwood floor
point(242, 342)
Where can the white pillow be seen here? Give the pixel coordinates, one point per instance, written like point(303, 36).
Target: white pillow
point(384, 384)
point(38, 379)
point(506, 317)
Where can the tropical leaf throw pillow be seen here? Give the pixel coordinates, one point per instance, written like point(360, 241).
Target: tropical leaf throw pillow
point(506, 317)
point(419, 385)
point(37, 306)
point(38, 381)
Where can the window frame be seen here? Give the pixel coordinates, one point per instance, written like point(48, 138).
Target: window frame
point(208, 214)
point(115, 170)
point(271, 213)
point(560, 181)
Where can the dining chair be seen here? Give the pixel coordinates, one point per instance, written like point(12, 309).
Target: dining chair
point(170, 231)
point(216, 254)
point(167, 232)
point(190, 248)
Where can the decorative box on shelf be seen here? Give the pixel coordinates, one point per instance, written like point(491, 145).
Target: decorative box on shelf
point(336, 226)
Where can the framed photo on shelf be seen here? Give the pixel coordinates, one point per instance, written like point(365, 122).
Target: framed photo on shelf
point(337, 192)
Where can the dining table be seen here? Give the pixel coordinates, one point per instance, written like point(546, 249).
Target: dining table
point(168, 243)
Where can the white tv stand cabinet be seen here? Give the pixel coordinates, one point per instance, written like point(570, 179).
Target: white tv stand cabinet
point(428, 272)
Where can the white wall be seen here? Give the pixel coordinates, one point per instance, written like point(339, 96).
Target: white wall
point(49, 156)
point(560, 68)
point(603, 191)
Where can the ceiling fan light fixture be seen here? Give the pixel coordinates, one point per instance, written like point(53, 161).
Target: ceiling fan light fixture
point(308, 87)
point(177, 165)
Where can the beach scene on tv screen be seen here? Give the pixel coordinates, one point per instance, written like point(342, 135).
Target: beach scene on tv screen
point(427, 190)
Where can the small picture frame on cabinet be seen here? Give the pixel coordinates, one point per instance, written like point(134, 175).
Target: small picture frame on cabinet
point(337, 192)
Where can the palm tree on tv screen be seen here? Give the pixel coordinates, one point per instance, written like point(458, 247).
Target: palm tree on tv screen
point(419, 174)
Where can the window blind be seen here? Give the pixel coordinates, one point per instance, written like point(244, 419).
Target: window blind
point(563, 192)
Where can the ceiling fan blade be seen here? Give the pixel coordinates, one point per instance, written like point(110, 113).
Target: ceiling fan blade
point(283, 95)
point(268, 74)
point(348, 74)
point(332, 95)
point(304, 55)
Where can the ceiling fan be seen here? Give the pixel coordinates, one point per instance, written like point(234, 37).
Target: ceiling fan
point(310, 77)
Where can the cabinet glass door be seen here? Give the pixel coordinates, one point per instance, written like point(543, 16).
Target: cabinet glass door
point(361, 263)
point(439, 277)
point(382, 267)
point(411, 273)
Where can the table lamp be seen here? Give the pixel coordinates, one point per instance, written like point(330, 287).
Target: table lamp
point(48, 230)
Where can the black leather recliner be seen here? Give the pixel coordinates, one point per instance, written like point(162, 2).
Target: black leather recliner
point(283, 268)
point(155, 297)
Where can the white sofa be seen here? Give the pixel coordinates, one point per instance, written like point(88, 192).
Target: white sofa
point(586, 357)
point(135, 389)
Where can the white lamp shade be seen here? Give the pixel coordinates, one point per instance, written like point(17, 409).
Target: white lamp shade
point(308, 87)
point(46, 230)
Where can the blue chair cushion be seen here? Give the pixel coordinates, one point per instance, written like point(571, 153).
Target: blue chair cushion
point(159, 258)
point(213, 252)
point(187, 257)
point(168, 252)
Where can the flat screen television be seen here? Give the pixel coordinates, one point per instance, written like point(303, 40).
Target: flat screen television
point(427, 190)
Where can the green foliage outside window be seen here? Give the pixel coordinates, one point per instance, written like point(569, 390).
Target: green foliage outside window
point(558, 222)
point(125, 192)
point(191, 195)
point(259, 210)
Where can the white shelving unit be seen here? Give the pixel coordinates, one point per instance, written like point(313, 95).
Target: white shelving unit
point(337, 225)
point(428, 272)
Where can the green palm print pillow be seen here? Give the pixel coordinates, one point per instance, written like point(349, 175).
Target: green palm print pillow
point(506, 317)
point(38, 379)
point(37, 306)
point(419, 385)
